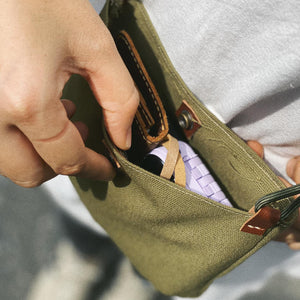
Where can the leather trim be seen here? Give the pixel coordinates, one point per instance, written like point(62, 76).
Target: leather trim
point(154, 110)
point(266, 218)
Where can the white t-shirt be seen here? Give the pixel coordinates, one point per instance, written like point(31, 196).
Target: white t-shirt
point(241, 59)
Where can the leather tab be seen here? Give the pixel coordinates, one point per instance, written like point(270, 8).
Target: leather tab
point(266, 218)
point(195, 123)
point(173, 150)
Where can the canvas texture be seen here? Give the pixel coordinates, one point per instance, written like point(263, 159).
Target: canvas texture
point(178, 240)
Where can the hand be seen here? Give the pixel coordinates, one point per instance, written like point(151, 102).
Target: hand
point(293, 169)
point(290, 236)
point(43, 43)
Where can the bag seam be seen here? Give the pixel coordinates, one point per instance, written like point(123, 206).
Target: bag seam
point(179, 84)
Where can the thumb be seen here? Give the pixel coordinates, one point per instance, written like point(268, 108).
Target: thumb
point(116, 93)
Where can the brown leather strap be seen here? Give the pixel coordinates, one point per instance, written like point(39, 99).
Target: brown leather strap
point(174, 163)
point(180, 177)
point(173, 149)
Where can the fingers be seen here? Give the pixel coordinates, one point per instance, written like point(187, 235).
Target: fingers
point(286, 183)
point(69, 106)
point(31, 152)
point(37, 138)
point(20, 162)
point(291, 237)
point(115, 91)
point(118, 121)
point(58, 142)
point(98, 60)
point(293, 165)
point(70, 109)
point(257, 147)
point(82, 129)
point(293, 169)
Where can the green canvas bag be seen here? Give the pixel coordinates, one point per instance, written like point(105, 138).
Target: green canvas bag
point(177, 239)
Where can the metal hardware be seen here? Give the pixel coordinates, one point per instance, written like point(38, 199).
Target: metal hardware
point(275, 196)
point(185, 120)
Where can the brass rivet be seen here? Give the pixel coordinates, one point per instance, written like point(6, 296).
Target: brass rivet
point(185, 120)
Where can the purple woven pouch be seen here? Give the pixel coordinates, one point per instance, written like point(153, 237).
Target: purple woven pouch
point(198, 177)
